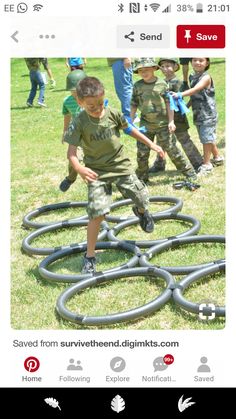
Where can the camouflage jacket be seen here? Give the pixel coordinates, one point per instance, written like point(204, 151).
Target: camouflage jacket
point(150, 99)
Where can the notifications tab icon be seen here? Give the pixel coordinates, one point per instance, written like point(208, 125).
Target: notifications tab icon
point(200, 36)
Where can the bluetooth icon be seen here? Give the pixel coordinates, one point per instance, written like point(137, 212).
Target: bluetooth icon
point(121, 7)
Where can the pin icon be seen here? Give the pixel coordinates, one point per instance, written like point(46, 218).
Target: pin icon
point(31, 364)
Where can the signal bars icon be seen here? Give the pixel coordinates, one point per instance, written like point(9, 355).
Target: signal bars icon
point(167, 9)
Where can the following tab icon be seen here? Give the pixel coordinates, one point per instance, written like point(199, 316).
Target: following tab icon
point(200, 36)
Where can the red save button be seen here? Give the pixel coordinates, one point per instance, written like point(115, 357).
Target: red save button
point(201, 36)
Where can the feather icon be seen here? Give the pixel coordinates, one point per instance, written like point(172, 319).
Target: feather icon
point(117, 404)
point(52, 402)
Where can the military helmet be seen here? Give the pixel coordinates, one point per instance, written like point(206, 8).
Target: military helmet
point(144, 62)
point(73, 78)
point(172, 60)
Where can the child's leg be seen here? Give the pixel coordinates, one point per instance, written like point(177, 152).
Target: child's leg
point(207, 150)
point(34, 86)
point(99, 201)
point(92, 234)
point(189, 148)
point(168, 143)
point(143, 153)
point(41, 87)
point(132, 187)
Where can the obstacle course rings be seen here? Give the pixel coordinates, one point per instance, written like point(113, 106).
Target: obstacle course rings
point(117, 317)
point(53, 227)
point(188, 280)
point(173, 243)
point(130, 268)
point(56, 277)
point(111, 235)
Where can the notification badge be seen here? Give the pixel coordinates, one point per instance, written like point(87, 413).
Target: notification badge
point(31, 364)
point(200, 36)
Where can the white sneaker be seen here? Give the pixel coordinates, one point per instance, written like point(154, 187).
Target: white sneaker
point(42, 105)
point(218, 161)
point(205, 169)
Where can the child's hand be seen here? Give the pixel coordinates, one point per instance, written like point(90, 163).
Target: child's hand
point(158, 150)
point(171, 127)
point(88, 175)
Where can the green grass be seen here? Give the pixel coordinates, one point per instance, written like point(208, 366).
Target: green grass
point(38, 164)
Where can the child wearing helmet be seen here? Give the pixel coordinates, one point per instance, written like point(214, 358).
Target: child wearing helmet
point(169, 66)
point(149, 96)
point(70, 109)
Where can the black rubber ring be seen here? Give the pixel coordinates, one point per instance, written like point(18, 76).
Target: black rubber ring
point(56, 277)
point(189, 279)
point(132, 314)
point(173, 243)
point(47, 229)
point(148, 243)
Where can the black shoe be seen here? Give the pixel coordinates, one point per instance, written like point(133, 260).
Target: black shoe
point(89, 265)
point(65, 185)
point(145, 220)
point(159, 166)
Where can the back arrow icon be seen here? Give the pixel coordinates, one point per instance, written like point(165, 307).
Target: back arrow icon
point(13, 36)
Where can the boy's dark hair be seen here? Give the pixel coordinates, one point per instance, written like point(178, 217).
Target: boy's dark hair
point(209, 63)
point(89, 87)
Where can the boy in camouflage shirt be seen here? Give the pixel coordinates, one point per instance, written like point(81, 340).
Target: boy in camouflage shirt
point(96, 130)
point(168, 67)
point(149, 95)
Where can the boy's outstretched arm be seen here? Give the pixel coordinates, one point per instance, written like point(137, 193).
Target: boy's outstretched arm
point(87, 174)
point(145, 140)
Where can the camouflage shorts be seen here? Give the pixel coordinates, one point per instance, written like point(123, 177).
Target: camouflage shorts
point(100, 194)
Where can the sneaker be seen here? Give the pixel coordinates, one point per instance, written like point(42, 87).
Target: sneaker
point(158, 166)
point(145, 220)
point(205, 169)
point(30, 105)
point(184, 86)
point(42, 105)
point(89, 265)
point(218, 161)
point(65, 185)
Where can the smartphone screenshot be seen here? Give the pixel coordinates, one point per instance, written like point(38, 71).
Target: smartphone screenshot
point(117, 208)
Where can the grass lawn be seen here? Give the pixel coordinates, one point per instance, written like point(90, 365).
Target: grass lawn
point(38, 164)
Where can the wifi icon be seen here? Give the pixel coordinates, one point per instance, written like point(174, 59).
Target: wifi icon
point(154, 6)
point(37, 7)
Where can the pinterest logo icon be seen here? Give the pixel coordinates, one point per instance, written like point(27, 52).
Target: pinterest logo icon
point(31, 364)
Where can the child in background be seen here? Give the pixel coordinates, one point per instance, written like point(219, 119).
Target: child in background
point(168, 67)
point(149, 95)
point(202, 92)
point(36, 80)
point(76, 63)
point(70, 109)
point(96, 130)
